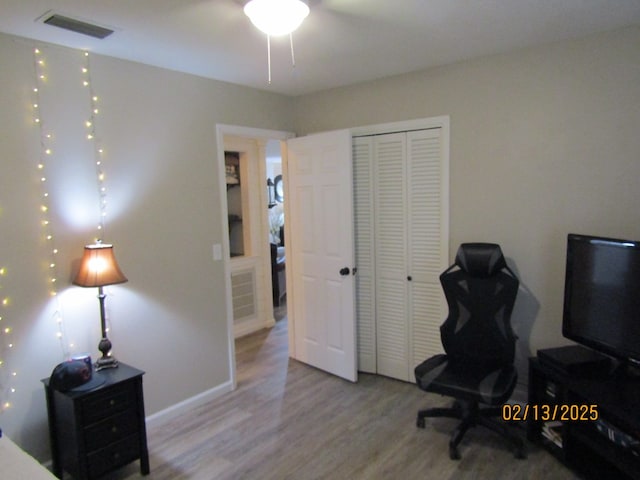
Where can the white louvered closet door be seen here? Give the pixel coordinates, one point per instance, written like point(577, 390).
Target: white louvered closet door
point(401, 238)
point(364, 218)
point(427, 241)
point(390, 206)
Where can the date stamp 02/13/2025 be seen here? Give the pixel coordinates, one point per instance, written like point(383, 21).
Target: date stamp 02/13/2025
point(515, 412)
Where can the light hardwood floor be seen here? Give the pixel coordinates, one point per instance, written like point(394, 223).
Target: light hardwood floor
point(287, 420)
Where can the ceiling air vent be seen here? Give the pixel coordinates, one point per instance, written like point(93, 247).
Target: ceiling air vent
point(77, 26)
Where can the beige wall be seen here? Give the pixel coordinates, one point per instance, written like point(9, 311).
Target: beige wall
point(158, 131)
point(543, 142)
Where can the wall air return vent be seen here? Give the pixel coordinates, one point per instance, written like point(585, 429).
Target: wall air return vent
point(76, 25)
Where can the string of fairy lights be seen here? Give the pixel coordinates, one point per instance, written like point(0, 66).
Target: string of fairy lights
point(5, 346)
point(98, 150)
point(45, 158)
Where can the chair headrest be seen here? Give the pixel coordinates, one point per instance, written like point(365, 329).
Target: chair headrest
point(480, 259)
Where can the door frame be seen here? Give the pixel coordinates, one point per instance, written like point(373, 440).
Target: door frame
point(426, 123)
point(253, 133)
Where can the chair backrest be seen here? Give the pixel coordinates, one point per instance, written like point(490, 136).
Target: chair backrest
point(481, 291)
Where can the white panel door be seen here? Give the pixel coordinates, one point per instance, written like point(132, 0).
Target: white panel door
point(319, 246)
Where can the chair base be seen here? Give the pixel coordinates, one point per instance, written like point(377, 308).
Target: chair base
point(470, 414)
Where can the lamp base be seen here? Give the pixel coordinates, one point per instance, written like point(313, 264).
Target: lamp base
point(105, 362)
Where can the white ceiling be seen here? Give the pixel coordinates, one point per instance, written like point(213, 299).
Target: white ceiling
point(340, 43)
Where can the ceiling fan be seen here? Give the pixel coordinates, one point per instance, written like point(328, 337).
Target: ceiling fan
point(277, 18)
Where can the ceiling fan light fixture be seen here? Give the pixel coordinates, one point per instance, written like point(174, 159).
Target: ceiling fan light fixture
point(276, 17)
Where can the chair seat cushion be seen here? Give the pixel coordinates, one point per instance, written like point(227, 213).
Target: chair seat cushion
point(484, 383)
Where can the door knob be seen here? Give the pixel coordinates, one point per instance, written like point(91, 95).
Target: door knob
point(345, 271)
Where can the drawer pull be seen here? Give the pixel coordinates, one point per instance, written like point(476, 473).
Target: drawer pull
point(112, 402)
point(114, 429)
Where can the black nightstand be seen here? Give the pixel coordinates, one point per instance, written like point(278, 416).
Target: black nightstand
point(96, 431)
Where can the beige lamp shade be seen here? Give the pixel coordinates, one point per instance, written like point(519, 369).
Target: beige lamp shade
point(98, 267)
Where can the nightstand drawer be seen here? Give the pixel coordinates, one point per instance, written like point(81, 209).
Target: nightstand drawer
point(111, 430)
point(104, 404)
point(113, 456)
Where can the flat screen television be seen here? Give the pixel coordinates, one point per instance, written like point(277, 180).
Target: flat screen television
point(602, 295)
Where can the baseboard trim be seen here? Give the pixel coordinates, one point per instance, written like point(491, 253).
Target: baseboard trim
point(179, 408)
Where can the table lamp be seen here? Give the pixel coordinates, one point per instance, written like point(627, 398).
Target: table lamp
point(99, 268)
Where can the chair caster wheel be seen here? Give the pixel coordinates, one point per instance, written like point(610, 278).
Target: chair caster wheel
point(453, 453)
point(420, 423)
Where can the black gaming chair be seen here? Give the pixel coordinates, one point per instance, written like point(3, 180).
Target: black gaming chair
point(477, 369)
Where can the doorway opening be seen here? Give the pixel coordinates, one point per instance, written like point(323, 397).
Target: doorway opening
point(247, 159)
point(275, 205)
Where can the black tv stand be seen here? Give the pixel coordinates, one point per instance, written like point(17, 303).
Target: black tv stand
point(628, 369)
point(595, 448)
